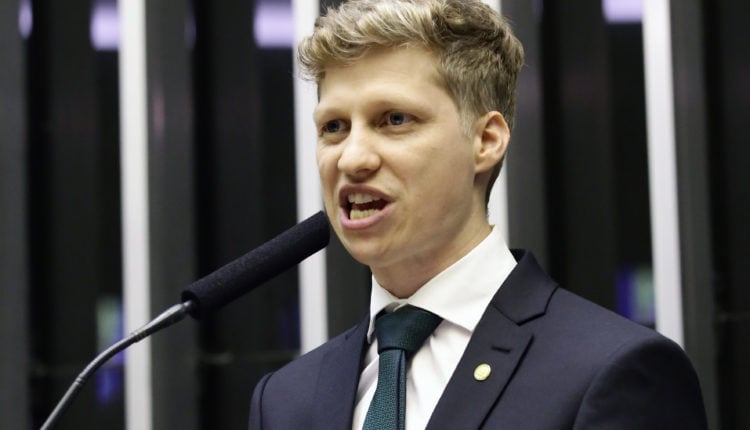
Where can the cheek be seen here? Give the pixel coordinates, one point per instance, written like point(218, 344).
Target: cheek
point(326, 165)
point(451, 176)
point(328, 177)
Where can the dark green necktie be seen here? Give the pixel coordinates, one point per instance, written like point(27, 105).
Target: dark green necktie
point(400, 334)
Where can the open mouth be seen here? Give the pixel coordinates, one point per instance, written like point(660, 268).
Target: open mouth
point(362, 205)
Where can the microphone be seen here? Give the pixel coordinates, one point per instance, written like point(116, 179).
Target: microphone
point(257, 266)
point(216, 290)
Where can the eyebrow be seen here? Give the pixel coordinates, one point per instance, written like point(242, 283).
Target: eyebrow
point(326, 111)
point(396, 101)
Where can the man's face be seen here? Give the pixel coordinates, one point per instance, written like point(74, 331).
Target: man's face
point(397, 170)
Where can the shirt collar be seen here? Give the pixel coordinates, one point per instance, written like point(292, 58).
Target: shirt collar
point(477, 275)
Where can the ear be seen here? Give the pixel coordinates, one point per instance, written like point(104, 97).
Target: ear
point(492, 136)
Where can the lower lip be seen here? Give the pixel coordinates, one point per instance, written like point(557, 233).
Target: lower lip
point(364, 223)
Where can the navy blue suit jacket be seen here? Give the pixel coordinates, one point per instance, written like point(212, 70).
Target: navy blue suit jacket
point(558, 362)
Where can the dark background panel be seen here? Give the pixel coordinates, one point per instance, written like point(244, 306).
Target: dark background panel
point(527, 176)
point(594, 155)
point(73, 222)
point(628, 119)
point(15, 393)
point(727, 68)
point(579, 149)
point(693, 144)
point(171, 202)
point(245, 195)
point(729, 64)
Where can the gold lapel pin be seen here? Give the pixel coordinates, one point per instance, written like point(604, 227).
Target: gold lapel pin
point(482, 372)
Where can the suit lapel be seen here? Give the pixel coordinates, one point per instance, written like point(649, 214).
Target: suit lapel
point(466, 401)
point(336, 391)
point(500, 341)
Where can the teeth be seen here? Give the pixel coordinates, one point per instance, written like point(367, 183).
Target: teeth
point(359, 198)
point(359, 214)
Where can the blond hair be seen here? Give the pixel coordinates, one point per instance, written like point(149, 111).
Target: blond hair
point(479, 58)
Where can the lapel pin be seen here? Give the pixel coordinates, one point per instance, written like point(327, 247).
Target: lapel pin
point(482, 372)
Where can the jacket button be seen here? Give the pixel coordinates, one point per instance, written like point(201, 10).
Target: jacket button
point(482, 372)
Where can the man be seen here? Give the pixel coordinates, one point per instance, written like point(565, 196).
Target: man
point(416, 102)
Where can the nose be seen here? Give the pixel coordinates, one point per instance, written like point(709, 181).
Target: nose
point(359, 157)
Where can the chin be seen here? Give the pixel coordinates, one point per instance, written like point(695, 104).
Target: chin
point(364, 253)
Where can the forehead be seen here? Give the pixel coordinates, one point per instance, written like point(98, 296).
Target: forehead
point(390, 73)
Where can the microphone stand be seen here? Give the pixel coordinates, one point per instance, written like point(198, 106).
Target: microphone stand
point(171, 316)
point(217, 289)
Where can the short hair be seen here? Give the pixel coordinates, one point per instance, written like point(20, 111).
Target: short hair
point(479, 57)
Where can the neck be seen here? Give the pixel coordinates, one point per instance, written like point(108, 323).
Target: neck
point(405, 279)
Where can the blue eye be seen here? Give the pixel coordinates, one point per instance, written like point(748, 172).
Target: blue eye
point(396, 118)
point(333, 126)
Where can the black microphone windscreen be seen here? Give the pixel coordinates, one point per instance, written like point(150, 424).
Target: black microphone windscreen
point(257, 266)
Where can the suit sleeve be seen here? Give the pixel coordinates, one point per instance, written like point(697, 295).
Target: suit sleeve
point(256, 404)
point(646, 385)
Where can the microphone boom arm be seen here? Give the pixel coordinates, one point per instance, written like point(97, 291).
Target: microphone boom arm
point(171, 316)
point(217, 289)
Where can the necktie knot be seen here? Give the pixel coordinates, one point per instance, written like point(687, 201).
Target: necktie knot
point(406, 328)
point(400, 334)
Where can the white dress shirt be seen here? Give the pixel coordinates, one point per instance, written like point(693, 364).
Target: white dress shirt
point(459, 295)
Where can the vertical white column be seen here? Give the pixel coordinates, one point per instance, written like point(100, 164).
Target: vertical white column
point(312, 272)
point(135, 224)
point(662, 165)
point(498, 204)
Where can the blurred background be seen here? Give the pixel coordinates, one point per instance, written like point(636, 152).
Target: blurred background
point(146, 143)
